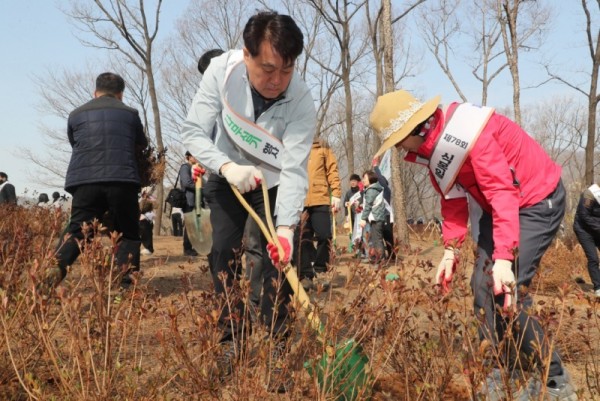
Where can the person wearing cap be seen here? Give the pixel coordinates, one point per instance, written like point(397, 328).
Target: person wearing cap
point(587, 230)
point(265, 121)
point(473, 152)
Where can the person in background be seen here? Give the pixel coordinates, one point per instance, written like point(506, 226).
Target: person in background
point(323, 198)
point(7, 191)
point(375, 214)
point(256, 88)
point(471, 151)
point(103, 175)
point(587, 230)
point(388, 225)
point(177, 221)
point(146, 224)
point(187, 184)
point(352, 197)
point(43, 200)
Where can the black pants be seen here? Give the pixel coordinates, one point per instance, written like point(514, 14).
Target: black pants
point(187, 245)
point(92, 201)
point(177, 222)
point(388, 238)
point(254, 259)
point(146, 227)
point(539, 224)
point(228, 218)
point(315, 224)
point(590, 245)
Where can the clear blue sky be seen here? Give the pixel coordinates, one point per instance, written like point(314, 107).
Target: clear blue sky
point(36, 35)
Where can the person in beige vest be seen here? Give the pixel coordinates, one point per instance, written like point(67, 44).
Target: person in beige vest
point(323, 197)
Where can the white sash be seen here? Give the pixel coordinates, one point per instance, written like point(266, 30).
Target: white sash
point(357, 231)
point(249, 137)
point(595, 190)
point(454, 145)
point(354, 197)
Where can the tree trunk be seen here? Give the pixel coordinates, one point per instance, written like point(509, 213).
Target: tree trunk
point(159, 143)
point(400, 229)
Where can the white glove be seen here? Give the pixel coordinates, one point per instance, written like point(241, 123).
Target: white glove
point(446, 269)
point(504, 280)
point(245, 178)
point(335, 203)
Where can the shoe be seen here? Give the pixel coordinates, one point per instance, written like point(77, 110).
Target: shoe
point(307, 284)
point(597, 293)
point(321, 283)
point(560, 388)
point(226, 359)
point(190, 252)
point(494, 388)
point(52, 278)
point(279, 378)
point(145, 252)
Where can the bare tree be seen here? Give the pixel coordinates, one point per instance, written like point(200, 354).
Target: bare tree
point(592, 34)
point(124, 26)
point(522, 24)
point(338, 17)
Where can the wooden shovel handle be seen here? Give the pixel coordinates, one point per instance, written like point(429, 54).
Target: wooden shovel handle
point(290, 272)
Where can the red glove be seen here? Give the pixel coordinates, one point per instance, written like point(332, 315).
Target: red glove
point(197, 171)
point(286, 238)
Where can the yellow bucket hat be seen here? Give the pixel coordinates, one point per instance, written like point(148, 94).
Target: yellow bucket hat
point(396, 114)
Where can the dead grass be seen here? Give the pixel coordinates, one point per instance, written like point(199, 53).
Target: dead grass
point(159, 340)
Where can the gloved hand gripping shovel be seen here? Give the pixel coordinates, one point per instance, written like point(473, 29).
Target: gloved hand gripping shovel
point(343, 371)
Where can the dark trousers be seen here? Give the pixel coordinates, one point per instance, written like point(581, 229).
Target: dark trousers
point(254, 257)
point(92, 201)
point(538, 226)
point(590, 245)
point(388, 238)
point(315, 224)
point(187, 245)
point(177, 222)
point(228, 218)
point(377, 251)
point(146, 227)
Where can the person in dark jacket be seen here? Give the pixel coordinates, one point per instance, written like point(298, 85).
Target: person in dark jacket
point(375, 214)
point(103, 175)
point(187, 184)
point(587, 230)
point(7, 191)
point(350, 193)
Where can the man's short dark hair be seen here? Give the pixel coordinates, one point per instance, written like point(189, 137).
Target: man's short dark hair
point(281, 30)
point(354, 177)
point(110, 83)
point(3, 175)
point(55, 195)
point(204, 60)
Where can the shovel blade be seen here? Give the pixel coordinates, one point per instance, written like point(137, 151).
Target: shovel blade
point(344, 375)
point(199, 230)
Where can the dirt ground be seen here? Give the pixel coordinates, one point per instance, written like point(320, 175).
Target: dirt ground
point(163, 271)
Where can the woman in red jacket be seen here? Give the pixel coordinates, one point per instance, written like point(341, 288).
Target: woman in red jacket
point(476, 155)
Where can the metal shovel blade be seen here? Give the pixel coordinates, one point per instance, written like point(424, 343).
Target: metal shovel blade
point(197, 224)
point(199, 230)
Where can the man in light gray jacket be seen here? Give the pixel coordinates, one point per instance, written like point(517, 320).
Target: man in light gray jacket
point(265, 119)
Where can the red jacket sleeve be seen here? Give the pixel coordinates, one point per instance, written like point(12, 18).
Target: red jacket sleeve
point(495, 181)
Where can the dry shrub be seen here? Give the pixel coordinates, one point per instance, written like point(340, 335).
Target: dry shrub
point(92, 341)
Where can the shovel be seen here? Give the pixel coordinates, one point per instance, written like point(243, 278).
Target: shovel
point(343, 370)
point(197, 224)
